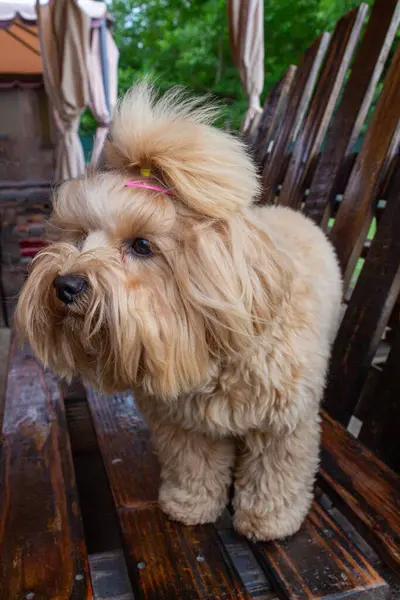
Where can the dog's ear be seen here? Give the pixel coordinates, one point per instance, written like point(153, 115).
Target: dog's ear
point(237, 278)
point(207, 169)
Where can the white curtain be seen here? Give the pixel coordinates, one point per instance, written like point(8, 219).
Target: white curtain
point(246, 28)
point(64, 31)
point(97, 96)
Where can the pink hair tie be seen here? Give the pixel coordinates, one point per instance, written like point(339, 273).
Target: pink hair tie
point(140, 183)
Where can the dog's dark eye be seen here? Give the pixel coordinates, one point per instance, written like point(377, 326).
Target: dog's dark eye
point(142, 247)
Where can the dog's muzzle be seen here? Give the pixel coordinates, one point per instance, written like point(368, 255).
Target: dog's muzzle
point(69, 287)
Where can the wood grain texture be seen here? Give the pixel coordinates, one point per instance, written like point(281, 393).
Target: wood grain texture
point(357, 97)
point(109, 576)
point(297, 104)
point(165, 559)
point(311, 135)
point(171, 561)
point(380, 143)
point(273, 107)
point(41, 540)
point(320, 562)
point(367, 314)
point(124, 441)
point(380, 430)
point(246, 564)
point(363, 488)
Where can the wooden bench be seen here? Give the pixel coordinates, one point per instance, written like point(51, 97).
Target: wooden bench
point(78, 479)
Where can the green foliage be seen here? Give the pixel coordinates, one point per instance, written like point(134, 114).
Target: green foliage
point(186, 42)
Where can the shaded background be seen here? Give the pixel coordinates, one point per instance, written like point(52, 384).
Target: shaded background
point(186, 42)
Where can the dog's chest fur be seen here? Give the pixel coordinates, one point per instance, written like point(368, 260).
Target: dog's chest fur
point(257, 393)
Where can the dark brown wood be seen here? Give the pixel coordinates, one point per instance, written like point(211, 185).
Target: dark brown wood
point(7, 185)
point(165, 559)
point(245, 562)
point(311, 135)
point(169, 560)
point(357, 97)
point(320, 562)
point(381, 140)
point(41, 540)
point(363, 488)
point(367, 314)
point(274, 104)
point(298, 100)
point(380, 430)
point(124, 441)
point(28, 195)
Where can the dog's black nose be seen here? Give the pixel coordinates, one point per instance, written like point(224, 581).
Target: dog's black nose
point(68, 287)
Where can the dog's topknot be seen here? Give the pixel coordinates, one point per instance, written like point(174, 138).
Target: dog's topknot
point(207, 169)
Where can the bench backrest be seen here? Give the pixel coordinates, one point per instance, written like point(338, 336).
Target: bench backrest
point(328, 143)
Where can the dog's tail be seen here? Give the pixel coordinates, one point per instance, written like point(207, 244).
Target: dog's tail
point(172, 136)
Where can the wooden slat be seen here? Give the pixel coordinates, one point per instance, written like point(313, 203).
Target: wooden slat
point(246, 564)
point(274, 104)
point(380, 142)
point(367, 314)
point(320, 562)
point(165, 559)
point(169, 560)
point(363, 488)
point(358, 94)
point(380, 430)
point(312, 133)
point(41, 540)
point(299, 98)
point(109, 576)
point(123, 437)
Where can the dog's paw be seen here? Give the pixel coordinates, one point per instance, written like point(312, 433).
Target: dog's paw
point(189, 509)
point(268, 526)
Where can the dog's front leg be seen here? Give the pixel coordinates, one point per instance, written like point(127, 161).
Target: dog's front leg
point(274, 481)
point(196, 472)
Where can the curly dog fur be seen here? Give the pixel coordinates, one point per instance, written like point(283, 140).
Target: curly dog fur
point(224, 331)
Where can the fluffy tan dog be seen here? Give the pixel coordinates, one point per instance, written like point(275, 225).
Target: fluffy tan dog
point(220, 315)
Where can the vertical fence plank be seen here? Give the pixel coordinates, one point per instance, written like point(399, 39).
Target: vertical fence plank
point(358, 94)
point(299, 98)
point(380, 143)
point(367, 314)
point(380, 430)
point(312, 133)
point(273, 107)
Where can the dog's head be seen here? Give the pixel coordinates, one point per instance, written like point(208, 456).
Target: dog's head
point(160, 268)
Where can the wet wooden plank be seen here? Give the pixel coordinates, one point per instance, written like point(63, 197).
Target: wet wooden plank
point(380, 430)
point(320, 562)
point(41, 540)
point(109, 576)
point(168, 560)
point(367, 314)
point(165, 559)
point(379, 145)
point(124, 441)
point(274, 104)
point(249, 569)
point(312, 133)
point(363, 488)
point(298, 100)
point(357, 97)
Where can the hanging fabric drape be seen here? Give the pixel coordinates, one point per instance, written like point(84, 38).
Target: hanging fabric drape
point(65, 43)
point(101, 106)
point(246, 29)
